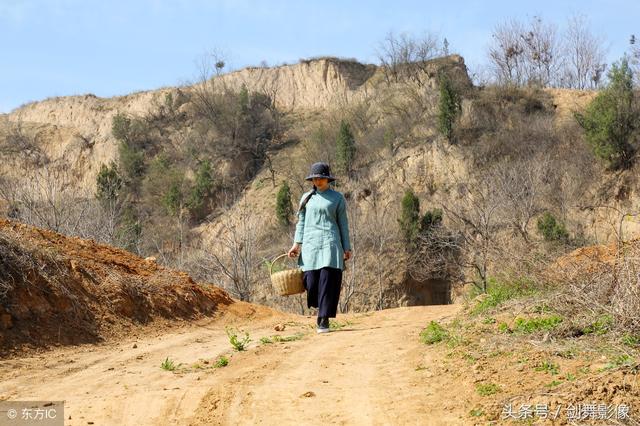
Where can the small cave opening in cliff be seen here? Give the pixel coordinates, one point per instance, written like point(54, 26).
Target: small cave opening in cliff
point(434, 291)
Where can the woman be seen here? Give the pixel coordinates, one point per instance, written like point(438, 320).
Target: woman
point(322, 241)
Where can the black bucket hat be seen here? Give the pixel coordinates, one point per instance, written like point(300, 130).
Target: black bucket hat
point(320, 170)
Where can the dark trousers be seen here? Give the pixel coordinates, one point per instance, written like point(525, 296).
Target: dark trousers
point(323, 290)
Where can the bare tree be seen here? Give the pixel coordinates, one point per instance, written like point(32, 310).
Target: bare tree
point(507, 53)
point(525, 54)
point(403, 56)
point(585, 55)
point(379, 231)
point(542, 52)
point(235, 259)
point(520, 186)
point(17, 142)
point(48, 199)
point(474, 218)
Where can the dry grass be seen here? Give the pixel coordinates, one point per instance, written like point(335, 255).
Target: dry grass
point(602, 281)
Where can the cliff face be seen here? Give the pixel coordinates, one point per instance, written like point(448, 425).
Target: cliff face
point(76, 130)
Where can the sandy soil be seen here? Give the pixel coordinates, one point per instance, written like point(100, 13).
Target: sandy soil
point(362, 373)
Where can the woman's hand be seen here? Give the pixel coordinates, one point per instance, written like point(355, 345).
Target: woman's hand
point(294, 251)
point(347, 254)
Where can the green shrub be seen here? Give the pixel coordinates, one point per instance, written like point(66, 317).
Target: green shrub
point(630, 340)
point(131, 162)
point(551, 229)
point(433, 333)
point(430, 219)
point(611, 118)
point(169, 365)
point(601, 325)
point(120, 127)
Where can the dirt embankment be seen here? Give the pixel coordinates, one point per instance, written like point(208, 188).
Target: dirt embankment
point(57, 290)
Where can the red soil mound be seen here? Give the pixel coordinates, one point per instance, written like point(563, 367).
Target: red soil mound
point(62, 290)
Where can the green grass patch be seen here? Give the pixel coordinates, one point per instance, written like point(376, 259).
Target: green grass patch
point(278, 338)
point(548, 367)
point(499, 292)
point(532, 325)
point(623, 360)
point(336, 325)
point(486, 389)
point(542, 309)
point(503, 327)
point(630, 340)
point(600, 326)
point(433, 333)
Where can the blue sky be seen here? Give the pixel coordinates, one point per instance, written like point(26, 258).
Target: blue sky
point(68, 47)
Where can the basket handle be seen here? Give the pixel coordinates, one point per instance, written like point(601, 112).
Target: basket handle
point(274, 261)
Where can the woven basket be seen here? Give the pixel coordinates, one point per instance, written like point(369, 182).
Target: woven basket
point(286, 282)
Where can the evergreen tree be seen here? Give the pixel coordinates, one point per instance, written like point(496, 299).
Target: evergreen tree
point(283, 204)
point(131, 156)
point(611, 118)
point(410, 217)
point(201, 190)
point(345, 148)
point(449, 107)
point(108, 183)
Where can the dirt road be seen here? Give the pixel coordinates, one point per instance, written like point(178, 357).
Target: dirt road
point(372, 370)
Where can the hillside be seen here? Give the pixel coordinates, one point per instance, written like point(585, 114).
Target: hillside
point(526, 137)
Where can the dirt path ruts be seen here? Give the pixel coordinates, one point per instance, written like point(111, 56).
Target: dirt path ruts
point(363, 373)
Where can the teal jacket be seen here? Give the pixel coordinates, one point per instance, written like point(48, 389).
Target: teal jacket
point(323, 230)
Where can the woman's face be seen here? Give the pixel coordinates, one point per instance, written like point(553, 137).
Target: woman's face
point(320, 183)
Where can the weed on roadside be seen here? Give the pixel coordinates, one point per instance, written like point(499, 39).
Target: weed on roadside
point(223, 361)
point(278, 338)
point(548, 367)
point(169, 365)
point(486, 389)
point(238, 344)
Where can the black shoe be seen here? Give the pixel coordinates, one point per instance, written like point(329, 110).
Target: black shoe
point(323, 325)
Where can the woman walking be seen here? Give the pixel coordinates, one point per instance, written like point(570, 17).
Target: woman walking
point(322, 242)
